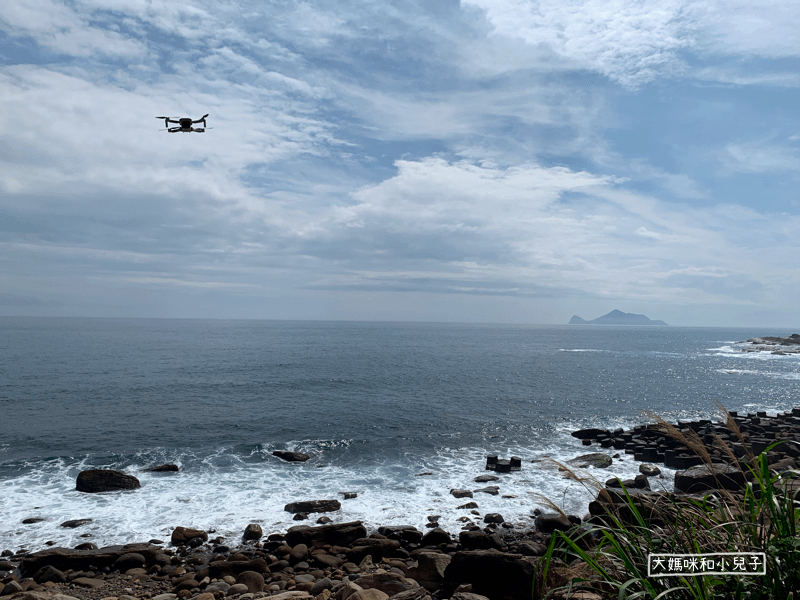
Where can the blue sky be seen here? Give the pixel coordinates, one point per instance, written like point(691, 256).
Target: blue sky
point(511, 161)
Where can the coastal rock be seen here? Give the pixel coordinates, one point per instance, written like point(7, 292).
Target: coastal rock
point(429, 572)
point(479, 540)
point(549, 522)
point(377, 548)
point(595, 459)
point(649, 470)
point(170, 468)
point(105, 480)
point(486, 478)
point(181, 535)
point(388, 583)
point(81, 560)
point(369, 595)
point(298, 554)
point(457, 493)
point(310, 506)
point(16, 593)
point(129, 560)
point(219, 569)
point(590, 433)
point(291, 456)
point(31, 520)
point(435, 537)
point(49, 573)
point(336, 534)
point(489, 489)
point(253, 532)
point(254, 581)
point(497, 575)
point(469, 505)
point(493, 518)
point(75, 523)
point(709, 477)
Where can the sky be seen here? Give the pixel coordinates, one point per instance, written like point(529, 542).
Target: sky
point(508, 161)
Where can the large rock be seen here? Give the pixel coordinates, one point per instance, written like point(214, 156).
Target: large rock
point(337, 534)
point(457, 493)
point(713, 477)
point(388, 583)
point(72, 524)
point(479, 540)
point(181, 535)
point(497, 575)
point(309, 506)
point(162, 469)
point(129, 560)
point(49, 573)
point(375, 547)
point(595, 459)
point(429, 572)
point(291, 456)
point(586, 434)
point(549, 522)
point(80, 560)
point(435, 537)
point(105, 480)
point(253, 532)
point(220, 568)
point(253, 580)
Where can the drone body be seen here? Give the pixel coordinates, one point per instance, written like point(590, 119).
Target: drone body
point(184, 124)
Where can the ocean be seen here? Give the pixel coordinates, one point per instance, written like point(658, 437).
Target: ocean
point(375, 404)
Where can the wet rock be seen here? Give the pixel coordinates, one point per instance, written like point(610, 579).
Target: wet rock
point(291, 456)
point(301, 516)
point(79, 560)
point(337, 534)
point(219, 569)
point(705, 477)
point(253, 532)
point(324, 520)
point(469, 505)
point(493, 518)
point(105, 480)
point(75, 523)
point(649, 470)
point(310, 506)
point(377, 548)
point(595, 459)
point(590, 433)
point(457, 493)
point(435, 537)
point(162, 469)
point(489, 489)
point(49, 573)
point(486, 478)
point(181, 535)
point(479, 540)
point(31, 520)
point(129, 560)
point(350, 495)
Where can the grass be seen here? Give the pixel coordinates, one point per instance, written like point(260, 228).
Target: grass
point(610, 556)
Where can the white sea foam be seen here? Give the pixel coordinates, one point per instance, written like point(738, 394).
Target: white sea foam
point(227, 498)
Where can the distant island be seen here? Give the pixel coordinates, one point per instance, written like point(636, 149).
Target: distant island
point(617, 317)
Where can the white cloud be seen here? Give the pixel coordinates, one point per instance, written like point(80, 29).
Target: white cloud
point(761, 157)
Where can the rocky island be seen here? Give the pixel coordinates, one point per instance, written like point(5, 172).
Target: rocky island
point(617, 317)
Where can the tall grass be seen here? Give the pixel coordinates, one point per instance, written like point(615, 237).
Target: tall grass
point(610, 556)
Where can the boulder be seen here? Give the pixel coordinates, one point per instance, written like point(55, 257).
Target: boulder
point(435, 537)
point(709, 477)
point(337, 534)
point(457, 493)
point(376, 548)
point(49, 573)
point(31, 520)
point(129, 560)
point(162, 469)
point(291, 456)
point(429, 572)
point(649, 470)
point(479, 540)
point(493, 518)
point(298, 554)
point(181, 535)
point(218, 569)
point(497, 575)
point(253, 580)
point(486, 478)
point(489, 489)
point(328, 560)
point(105, 480)
point(253, 532)
point(75, 523)
point(387, 582)
point(310, 506)
point(594, 459)
point(469, 505)
point(371, 594)
point(549, 522)
point(590, 433)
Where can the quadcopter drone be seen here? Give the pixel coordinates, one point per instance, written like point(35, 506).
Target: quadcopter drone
point(184, 124)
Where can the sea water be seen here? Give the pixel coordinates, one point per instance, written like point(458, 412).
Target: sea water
point(399, 413)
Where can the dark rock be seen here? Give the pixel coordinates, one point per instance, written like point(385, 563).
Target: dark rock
point(129, 560)
point(388, 583)
point(218, 569)
point(489, 489)
point(649, 470)
point(349, 495)
point(291, 456)
point(337, 534)
point(78, 560)
point(376, 548)
point(298, 554)
point(497, 575)
point(253, 532)
point(324, 520)
point(181, 535)
point(469, 505)
point(705, 477)
point(493, 518)
point(320, 585)
point(479, 540)
point(75, 523)
point(328, 560)
point(435, 537)
point(301, 516)
point(105, 480)
point(486, 478)
point(32, 520)
point(253, 580)
point(86, 546)
point(549, 522)
point(457, 493)
point(311, 506)
point(595, 459)
point(429, 572)
point(591, 433)
point(530, 548)
point(162, 469)
point(49, 573)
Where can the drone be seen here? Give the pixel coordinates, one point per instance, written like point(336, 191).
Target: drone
point(184, 124)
